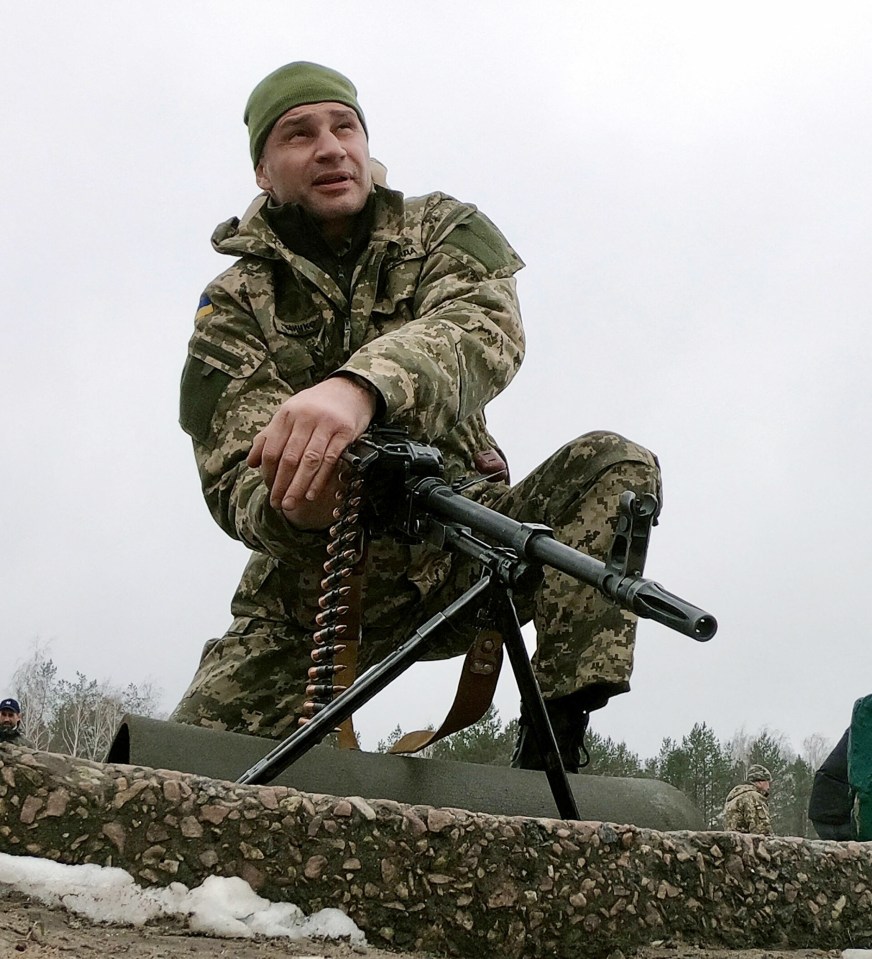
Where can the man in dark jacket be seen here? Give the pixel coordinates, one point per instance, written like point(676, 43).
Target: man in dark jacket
point(832, 798)
point(10, 723)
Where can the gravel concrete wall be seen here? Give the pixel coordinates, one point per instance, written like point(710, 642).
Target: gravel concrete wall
point(442, 880)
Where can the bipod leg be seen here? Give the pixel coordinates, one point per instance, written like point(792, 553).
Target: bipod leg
point(360, 692)
point(531, 696)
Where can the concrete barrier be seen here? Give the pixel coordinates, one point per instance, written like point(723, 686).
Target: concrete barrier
point(443, 881)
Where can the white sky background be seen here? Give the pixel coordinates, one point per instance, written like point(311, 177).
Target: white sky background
point(688, 184)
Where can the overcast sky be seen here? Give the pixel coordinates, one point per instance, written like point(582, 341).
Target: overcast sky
point(689, 185)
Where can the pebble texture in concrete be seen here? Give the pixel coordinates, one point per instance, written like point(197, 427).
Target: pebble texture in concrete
point(442, 880)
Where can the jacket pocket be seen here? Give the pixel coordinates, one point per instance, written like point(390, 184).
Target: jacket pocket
point(210, 368)
point(236, 357)
point(294, 363)
point(398, 283)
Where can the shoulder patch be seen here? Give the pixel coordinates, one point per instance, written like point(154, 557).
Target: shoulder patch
point(204, 307)
point(481, 240)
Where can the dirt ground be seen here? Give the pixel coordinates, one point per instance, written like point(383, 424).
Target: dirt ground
point(31, 930)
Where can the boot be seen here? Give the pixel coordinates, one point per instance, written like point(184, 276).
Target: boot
point(569, 717)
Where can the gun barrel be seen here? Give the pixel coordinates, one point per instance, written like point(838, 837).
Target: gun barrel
point(641, 596)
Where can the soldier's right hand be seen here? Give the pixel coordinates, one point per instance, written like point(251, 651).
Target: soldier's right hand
point(298, 451)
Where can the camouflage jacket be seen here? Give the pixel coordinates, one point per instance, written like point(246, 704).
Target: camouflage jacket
point(432, 322)
point(747, 810)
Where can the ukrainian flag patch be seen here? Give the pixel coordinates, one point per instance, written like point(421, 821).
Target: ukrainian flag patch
point(204, 307)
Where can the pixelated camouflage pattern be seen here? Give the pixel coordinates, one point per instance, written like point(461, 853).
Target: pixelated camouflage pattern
point(434, 324)
point(584, 638)
point(747, 810)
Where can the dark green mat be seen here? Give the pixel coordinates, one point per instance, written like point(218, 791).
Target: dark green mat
point(431, 782)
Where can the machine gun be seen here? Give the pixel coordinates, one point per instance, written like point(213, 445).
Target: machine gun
point(406, 496)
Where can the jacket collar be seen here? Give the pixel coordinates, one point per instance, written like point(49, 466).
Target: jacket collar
point(252, 235)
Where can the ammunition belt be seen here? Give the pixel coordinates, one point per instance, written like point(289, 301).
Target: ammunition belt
point(337, 634)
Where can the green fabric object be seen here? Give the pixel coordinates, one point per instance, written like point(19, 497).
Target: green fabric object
point(291, 86)
point(860, 766)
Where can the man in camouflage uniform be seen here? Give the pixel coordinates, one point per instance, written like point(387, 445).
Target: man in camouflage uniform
point(747, 805)
point(351, 304)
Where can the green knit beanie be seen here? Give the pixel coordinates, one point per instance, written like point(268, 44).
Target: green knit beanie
point(291, 86)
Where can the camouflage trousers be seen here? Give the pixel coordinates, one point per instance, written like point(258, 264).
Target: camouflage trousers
point(253, 679)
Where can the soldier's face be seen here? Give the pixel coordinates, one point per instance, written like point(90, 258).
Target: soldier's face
point(317, 155)
point(9, 718)
point(763, 787)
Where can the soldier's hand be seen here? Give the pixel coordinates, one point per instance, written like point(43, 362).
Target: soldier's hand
point(298, 451)
point(318, 513)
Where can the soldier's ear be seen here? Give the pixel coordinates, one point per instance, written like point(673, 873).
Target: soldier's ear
point(262, 178)
point(378, 171)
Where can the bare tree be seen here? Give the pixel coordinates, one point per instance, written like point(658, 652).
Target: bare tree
point(815, 749)
point(34, 682)
point(88, 714)
point(739, 746)
point(76, 716)
point(79, 718)
point(742, 744)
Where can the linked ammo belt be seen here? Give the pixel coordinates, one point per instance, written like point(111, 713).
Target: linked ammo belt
point(338, 634)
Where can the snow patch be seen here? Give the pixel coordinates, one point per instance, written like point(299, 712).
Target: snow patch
point(226, 907)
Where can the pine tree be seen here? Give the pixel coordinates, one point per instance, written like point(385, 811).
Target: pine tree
point(486, 742)
point(608, 758)
point(792, 812)
point(701, 768)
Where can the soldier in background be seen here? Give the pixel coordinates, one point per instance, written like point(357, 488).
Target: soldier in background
point(351, 304)
point(747, 805)
point(10, 723)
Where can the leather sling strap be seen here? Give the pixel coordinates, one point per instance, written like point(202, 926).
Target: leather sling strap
point(475, 693)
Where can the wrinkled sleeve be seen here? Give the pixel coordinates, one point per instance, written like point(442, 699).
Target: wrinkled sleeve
point(761, 821)
point(230, 390)
point(744, 814)
point(465, 342)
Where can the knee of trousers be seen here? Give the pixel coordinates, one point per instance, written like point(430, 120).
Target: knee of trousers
point(614, 445)
point(592, 454)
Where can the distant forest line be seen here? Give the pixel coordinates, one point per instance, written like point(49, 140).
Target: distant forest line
point(80, 718)
point(704, 767)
